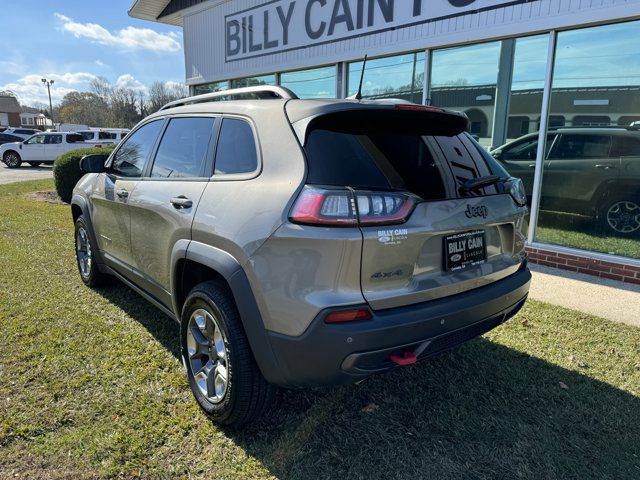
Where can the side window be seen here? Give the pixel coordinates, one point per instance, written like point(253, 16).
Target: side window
point(36, 140)
point(74, 138)
point(87, 135)
point(526, 149)
point(183, 148)
point(578, 147)
point(626, 146)
point(236, 152)
point(130, 158)
point(53, 139)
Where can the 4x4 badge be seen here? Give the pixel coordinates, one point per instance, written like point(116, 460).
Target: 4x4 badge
point(473, 211)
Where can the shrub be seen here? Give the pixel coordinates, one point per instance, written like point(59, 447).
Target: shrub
point(66, 169)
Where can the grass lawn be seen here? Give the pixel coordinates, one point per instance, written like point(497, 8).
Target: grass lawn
point(91, 386)
point(574, 232)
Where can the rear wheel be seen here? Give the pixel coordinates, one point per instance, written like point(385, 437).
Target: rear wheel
point(222, 373)
point(35, 164)
point(12, 160)
point(621, 215)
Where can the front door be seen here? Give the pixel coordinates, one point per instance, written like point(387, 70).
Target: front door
point(164, 202)
point(33, 148)
point(110, 198)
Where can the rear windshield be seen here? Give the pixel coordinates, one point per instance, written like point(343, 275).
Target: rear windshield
point(374, 161)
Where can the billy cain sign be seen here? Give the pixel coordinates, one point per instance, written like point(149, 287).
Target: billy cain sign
point(283, 25)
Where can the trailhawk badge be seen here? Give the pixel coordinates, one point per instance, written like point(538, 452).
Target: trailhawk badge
point(392, 237)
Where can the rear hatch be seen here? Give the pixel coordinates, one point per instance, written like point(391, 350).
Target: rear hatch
point(430, 229)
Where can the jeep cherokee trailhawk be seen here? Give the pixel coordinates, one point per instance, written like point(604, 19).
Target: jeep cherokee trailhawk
point(304, 242)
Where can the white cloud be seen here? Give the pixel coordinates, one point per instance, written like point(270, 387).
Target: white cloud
point(30, 88)
point(100, 63)
point(129, 38)
point(128, 81)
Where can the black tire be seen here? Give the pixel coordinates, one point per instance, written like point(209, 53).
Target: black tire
point(35, 164)
point(620, 215)
point(91, 277)
point(11, 159)
point(247, 394)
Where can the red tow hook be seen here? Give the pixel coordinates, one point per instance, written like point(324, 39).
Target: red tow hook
point(407, 358)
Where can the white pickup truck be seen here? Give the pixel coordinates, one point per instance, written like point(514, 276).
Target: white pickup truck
point(41, 148)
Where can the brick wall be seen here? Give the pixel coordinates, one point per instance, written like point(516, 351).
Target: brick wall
point(14, 119)
point(599, 268)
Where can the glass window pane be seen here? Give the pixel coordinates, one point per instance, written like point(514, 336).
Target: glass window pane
point(130, 158)
point(236, 151)
point(391, 77)
point(314, 83)
point(464, 79)
point(210, 87)
point(590, 194)
point(183, 147)
point(254, 81)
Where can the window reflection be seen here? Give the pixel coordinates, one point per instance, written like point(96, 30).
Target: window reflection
point(313, 83)
point(254, 81)
point(391, 77)
point(590, 196)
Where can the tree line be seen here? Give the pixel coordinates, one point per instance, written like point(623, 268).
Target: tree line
point(107, 105)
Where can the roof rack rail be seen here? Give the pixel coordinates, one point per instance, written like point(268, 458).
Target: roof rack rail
point(263, 92)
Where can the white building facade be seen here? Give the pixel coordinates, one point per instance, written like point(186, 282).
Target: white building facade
point(549, 68)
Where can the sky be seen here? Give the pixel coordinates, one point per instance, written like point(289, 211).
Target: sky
point(74, 41)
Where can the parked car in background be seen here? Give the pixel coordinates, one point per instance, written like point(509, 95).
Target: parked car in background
point(591, 171)
point(41, 148)
point(304, 242)
point(21, 132)
point(8, 138)
point(104, 136)
point(70, 127)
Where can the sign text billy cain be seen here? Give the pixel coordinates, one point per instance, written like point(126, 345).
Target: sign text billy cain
point(290, 24)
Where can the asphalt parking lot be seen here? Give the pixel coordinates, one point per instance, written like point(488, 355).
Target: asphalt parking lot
point(25, 172)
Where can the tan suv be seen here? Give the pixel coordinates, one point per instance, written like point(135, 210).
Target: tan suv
point(304, 242)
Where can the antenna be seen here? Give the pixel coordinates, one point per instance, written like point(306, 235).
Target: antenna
point(364, 65)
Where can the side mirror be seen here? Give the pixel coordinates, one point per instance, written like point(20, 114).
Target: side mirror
point(497, 154)
point(93, 163)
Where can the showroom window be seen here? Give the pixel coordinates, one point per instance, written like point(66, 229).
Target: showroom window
point(312, 83)
point(464, 79)
point(391, 77)
point(254, 81)
point(210, 87)
point(590, 190)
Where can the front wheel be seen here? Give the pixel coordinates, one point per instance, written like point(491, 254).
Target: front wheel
point(12, 160)
point(85, 256)
point(621, 216)
point(222, 372)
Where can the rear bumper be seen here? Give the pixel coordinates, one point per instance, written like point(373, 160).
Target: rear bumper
point(344, 353)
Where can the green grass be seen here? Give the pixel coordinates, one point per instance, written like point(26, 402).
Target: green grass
point(90, 386)
point(575, 231)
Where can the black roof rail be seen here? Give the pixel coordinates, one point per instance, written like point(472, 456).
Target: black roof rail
point(262, 92)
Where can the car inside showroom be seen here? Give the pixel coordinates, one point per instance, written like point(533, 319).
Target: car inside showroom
point(551, 90)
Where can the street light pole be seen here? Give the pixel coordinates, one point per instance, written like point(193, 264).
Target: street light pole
point(48, 83)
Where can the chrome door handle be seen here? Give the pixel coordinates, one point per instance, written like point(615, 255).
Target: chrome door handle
point(532, 165)
point(605, 166)
point(122, 193)
point(181, 202)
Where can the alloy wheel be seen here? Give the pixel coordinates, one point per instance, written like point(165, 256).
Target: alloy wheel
point(12, 160)
point(624, 216)
point(83, 252)
point(207, 355)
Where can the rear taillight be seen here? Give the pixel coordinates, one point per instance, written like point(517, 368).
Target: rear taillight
point(351, 315)
point(344, 207)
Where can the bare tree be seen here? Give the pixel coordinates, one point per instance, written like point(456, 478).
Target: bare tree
point(83, 108)
point(161, 93)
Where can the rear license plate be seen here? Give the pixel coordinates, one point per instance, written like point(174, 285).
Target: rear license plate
point(464, 249)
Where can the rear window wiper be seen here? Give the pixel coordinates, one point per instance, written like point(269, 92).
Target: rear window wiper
point(481, 182)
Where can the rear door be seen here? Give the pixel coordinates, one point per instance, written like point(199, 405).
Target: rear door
point(410, 262)
point(53, 146)
point(578, 164)
point(164, 201)
point(110, 197)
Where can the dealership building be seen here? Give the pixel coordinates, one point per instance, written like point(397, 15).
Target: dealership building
point(565, 72)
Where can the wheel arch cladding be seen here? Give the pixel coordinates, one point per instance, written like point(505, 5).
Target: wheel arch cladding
point(204, 262)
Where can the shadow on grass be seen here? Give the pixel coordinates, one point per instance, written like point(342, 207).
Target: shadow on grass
point(480, 411)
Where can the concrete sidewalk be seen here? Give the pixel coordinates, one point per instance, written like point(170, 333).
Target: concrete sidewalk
point(610, 299)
